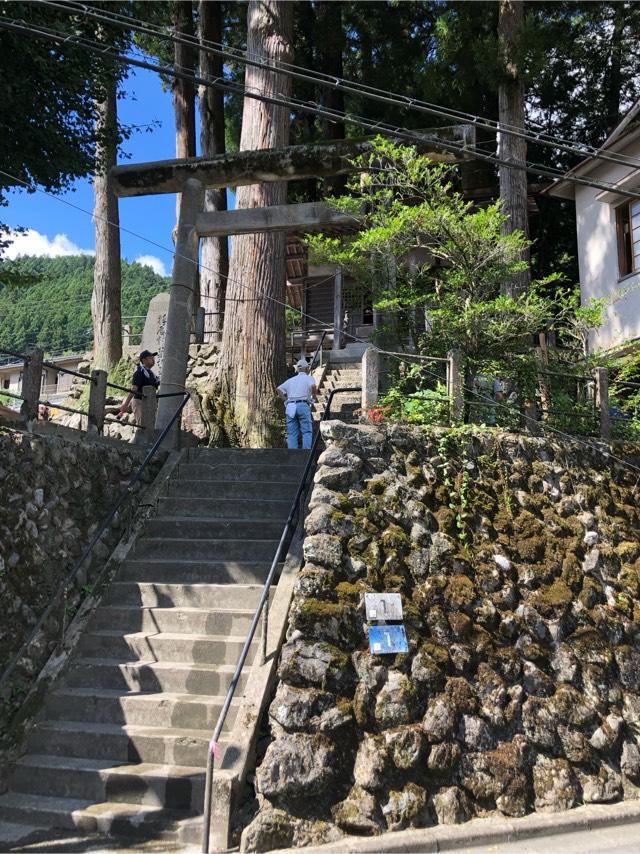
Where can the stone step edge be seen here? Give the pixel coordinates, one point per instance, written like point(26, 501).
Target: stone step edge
point(143, 770)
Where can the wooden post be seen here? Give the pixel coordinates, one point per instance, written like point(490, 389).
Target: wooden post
point(200, 325)
point(602, 402)
point(370, 375)
point(97, 397)
point(454, 386)
point(148, 419)
point(337, 311)
point(178, 328)
point(31, 385)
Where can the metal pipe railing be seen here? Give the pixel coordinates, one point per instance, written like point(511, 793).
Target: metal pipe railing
point(263, 604)
point(75, 570)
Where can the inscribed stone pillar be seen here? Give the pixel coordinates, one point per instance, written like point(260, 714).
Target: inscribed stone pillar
point(181, 296)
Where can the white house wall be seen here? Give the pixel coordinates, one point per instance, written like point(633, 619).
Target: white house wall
point(598, 260)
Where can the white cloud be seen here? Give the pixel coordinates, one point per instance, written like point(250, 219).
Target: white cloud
point(31, 242)
point(151, 261)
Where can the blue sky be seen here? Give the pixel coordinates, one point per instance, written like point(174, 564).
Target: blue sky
point(57, 229)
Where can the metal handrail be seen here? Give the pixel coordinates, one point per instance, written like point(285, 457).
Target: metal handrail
point(74, 572)
point(262, 604)
point(318, 350)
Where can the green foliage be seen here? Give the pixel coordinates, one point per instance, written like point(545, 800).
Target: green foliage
point(55, 310)
point(47, 105)
point(410, 204)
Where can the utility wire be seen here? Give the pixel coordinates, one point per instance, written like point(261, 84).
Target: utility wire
point(344, 85)
point(330, 114)
point(341, 84)
point(381, 351)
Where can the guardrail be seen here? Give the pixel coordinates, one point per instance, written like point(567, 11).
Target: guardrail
point(261, 610)
point(31, 389)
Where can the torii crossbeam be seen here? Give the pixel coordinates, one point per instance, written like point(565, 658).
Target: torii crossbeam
point(192, 176)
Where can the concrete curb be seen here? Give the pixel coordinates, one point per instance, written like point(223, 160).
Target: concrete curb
point(483, 831)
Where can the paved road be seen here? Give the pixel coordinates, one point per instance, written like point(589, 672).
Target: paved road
point(624, 839)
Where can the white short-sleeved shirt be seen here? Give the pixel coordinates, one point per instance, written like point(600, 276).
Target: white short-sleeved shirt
point(298, 387)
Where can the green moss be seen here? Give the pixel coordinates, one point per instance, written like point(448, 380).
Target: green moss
point(555, 595)
point(460, 592)
point(393, 537)
point(446, 520)
point(628, 552)
point(572, 573)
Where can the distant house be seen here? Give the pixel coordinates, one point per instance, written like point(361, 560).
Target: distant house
point(608, 231)
point(55, 385)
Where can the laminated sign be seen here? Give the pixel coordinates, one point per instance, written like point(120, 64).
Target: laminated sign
point(387, 639)
point(383, 606)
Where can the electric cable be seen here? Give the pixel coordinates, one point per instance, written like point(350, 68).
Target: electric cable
point(381, 351)
point(350, 87)
point(332, 115)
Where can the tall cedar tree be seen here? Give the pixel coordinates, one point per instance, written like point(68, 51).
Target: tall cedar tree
point(214, 254)
point(106, 308)
point(513, 149)
point(253, 337)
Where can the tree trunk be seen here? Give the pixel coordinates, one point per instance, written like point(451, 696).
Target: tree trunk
point(331, 44)
point(513, 182)
point(183, 91)
point(214, 254)
point(254, 332)
point(613, 76)
point(105, 300)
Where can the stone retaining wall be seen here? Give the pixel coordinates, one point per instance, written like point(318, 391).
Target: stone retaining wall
point(53, 495)
point(518, 561)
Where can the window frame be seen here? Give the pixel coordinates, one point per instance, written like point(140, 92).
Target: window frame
point(628, 256)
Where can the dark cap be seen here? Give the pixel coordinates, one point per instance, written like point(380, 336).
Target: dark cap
point(145, 354)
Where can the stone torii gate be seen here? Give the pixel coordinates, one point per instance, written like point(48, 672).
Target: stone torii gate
point(191, 177)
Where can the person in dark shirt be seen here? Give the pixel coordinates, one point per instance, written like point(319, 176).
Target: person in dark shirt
point(143, 376)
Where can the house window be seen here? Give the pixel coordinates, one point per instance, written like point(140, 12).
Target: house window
point(628, 224)
point(6, 383)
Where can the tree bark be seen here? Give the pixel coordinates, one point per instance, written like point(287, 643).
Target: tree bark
point(253, 341)
point(183, 91)
point(214, 253)
point(105, 300)
point(513, 182)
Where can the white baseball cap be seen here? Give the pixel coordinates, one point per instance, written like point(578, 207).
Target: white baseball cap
point(301, 363)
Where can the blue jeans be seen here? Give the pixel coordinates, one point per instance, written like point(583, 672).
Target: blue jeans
point(300, 423)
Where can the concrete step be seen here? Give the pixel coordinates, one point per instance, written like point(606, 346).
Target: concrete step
point(249, 490)
point(103, 706)
point(199, 528)
point(131, 820)
point(125, 592)
point(239, 472)
point(170, 786)
point(225, 508)
point(191, 569)
point(143, 646)
point(247, 456)
point(151, 676)
point(126, 744)
point(199, 621)
point(212, 550)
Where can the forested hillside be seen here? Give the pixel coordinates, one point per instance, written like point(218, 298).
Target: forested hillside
point(54, 310)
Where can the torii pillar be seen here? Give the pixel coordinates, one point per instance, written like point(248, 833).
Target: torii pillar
point(181, 295)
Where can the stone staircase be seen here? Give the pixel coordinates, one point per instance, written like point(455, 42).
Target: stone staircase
point(343, 406)
point(121, 746)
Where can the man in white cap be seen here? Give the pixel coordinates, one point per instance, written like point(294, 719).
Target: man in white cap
point(298, 392)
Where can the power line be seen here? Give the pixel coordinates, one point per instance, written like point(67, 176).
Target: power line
point(355, 338)
point(355, 88)
point(330, 114)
